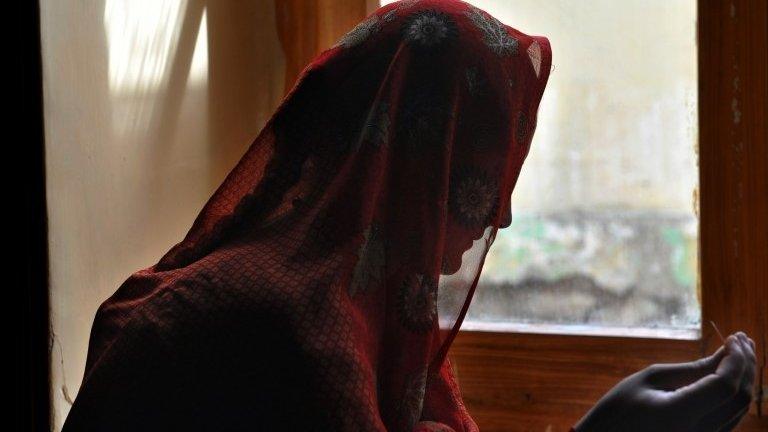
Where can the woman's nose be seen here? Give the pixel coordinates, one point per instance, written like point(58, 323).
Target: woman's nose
point(506, 218)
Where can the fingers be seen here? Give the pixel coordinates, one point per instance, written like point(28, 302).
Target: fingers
point(671, 376)
point(713, 390)
point(726, 417)
point(749, 348)
point(752, 344)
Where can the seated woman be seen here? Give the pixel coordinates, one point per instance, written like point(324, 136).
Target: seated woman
point(305, 296)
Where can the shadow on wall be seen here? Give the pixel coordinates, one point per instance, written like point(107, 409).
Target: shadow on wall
point(150, 103)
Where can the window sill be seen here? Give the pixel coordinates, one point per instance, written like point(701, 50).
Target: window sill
point(680, 333)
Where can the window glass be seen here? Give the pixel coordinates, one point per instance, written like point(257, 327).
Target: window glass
point(604, 229)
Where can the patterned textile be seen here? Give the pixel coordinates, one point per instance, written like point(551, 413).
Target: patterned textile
point(321, 285)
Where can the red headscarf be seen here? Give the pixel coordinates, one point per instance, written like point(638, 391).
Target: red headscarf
point(323, 282)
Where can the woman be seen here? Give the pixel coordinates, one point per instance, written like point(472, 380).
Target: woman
point(305, 296)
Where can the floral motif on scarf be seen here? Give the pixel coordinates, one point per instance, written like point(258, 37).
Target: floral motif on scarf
point(417, 303)
point(371, 25)
point(428, 29)
point(473, 197)
point(475, 81)
point(412, 402)
point(494, 32)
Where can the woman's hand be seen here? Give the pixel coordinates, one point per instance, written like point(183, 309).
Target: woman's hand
point(709, 394)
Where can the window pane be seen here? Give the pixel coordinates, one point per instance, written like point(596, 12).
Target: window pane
point(604, 230)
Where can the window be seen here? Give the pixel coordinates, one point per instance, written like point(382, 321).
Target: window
point(541, 368)
point(603, 229)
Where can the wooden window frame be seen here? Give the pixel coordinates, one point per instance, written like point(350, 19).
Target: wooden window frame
point(546, 382)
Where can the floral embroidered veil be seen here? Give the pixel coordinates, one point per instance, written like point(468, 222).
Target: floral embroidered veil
point(351, 234)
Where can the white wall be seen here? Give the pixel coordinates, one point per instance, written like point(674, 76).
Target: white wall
point(148, 104)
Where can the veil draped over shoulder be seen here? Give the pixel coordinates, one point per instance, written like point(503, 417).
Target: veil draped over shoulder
point(323, 282)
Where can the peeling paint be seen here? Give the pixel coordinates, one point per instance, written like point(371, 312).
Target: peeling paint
point(64, 390)
point(695, 201)
point(606, 268)
point(65, 394)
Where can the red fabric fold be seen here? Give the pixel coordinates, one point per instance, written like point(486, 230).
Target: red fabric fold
point(323, 282)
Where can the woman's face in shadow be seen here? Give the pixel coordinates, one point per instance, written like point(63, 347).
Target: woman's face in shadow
point(460, 240)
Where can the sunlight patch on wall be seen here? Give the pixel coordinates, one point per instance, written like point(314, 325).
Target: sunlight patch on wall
point(156, 52)
point(141, 36)
point(198, 72)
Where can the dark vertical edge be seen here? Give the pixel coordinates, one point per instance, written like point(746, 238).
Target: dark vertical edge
point(33, 377)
